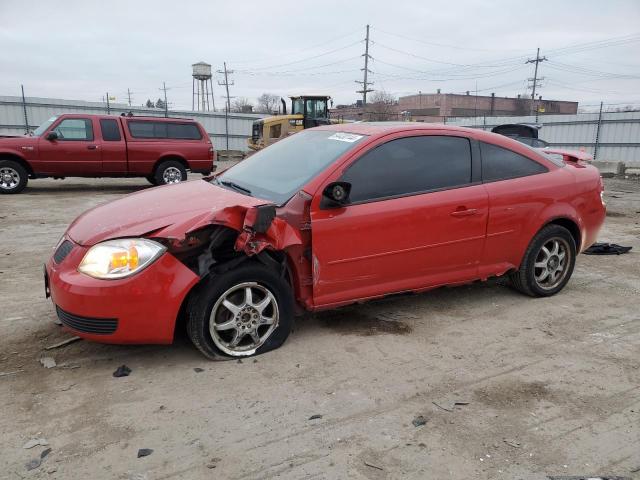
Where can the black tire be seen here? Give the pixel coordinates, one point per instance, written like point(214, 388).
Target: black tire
point(151, 179)
point(13, 177)
point(528, 278)
point(169, 169)
point(210, 293)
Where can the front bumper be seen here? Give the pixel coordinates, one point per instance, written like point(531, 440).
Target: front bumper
point(139, 309)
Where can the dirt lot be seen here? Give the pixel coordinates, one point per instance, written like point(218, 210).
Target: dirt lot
point(552, 385)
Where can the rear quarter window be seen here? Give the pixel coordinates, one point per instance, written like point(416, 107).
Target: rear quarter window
point(110, 130)
point(502, 164)
point(174, 131)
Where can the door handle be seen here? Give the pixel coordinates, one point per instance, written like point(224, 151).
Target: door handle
point(92, 147)
point(464, 212)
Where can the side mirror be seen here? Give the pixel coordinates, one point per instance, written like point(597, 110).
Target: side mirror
point(51, 136)
point(336, 194)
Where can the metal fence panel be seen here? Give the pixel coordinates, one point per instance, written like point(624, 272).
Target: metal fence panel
point(618, 138)
point(40, 109)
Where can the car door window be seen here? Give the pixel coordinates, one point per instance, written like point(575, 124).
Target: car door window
point(110, 130)
point(502, 164)
point(408, 166)
point(74, 129)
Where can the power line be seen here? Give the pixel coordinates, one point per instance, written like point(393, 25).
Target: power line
point(309, 58)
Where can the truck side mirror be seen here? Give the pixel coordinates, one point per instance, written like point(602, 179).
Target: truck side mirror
point(51, 136)
point(336, 195)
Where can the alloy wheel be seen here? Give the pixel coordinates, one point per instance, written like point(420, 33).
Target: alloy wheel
point(172, 175)
point(9, 178)
point(243, 318)
point(552, 263)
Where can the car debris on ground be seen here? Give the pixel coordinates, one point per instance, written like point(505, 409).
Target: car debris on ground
point(34, 442)
point(62, 343)
point(419, 421)
point(122, 371)
point(48, 362)
point(606, 249)
point(145, 452)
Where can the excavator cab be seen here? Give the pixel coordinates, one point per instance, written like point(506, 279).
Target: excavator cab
point(307, 111)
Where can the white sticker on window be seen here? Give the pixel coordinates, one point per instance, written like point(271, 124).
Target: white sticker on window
point(345, 137)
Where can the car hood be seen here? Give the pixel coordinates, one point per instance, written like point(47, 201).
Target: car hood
point(18, 140)
point(167, 212)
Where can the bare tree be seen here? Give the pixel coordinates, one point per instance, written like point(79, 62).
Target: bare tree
point(242, 105)
point(268, 103)
point(381, 106)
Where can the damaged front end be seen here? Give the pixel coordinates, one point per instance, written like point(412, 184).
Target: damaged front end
point(219, 242)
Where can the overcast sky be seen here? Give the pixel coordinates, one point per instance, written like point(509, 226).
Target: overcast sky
point(80, 50)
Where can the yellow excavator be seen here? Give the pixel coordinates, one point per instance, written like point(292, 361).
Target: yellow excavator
point(306, 111)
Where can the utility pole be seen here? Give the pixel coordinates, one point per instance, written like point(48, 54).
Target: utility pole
point(108, 106)
point(24, 110)
point(228, 107)
point(166, 107)
point(129, 95)
point(365, 83)
point(597, 142)
point(536, 60)
point(226, 83)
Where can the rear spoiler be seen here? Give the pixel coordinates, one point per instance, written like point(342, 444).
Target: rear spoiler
point(573, 156)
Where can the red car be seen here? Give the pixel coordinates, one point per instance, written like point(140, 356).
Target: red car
point(75, 145)
point(327, 217)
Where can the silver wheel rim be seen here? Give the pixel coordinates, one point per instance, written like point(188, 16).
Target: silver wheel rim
point(243, 318)
point(9, 178)
point(172, 175)
point(552, 263)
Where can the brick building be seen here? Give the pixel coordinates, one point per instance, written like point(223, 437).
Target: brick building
point(432, 107)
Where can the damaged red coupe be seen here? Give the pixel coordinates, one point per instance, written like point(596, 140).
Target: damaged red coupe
point(327, 217)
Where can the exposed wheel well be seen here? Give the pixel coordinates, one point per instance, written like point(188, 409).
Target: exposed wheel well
point(571, 226)
point(21, 161)
point(175, 158)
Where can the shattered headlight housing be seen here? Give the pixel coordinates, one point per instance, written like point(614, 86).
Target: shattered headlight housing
point(120, 258)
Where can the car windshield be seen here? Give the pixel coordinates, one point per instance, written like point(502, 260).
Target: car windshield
point(41, 129)
point(280, 170)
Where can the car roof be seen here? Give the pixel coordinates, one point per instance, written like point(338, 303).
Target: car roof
point(384, 128)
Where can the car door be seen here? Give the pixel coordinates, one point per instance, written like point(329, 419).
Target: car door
point(114, 147)
point(75, 151)
point(416, 218)
point(516, 198)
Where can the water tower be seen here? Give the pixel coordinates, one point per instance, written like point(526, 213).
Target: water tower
point(202, 87)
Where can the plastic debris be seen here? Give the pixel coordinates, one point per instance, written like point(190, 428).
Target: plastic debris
point(34, 442)
point(48, 362)
point(315, 417)
point(369, 464)
point(122, 371)
point(419, 421)
point(62, 343)
point(198, 370)
point(144, 452)
point(606, 249)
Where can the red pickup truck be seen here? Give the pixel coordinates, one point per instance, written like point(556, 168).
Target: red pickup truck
point(77, 145)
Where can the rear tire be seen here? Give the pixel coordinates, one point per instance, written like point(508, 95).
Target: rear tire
point(13, 177)
point(170, 172)
point(223, 321)
point(547, 264)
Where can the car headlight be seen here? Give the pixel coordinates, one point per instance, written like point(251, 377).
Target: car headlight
point(120, 258)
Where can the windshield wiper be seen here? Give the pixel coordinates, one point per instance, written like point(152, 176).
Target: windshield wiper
point(235, 186)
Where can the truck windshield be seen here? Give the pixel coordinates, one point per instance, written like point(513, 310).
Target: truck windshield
point(41, 129)
point(282, 169)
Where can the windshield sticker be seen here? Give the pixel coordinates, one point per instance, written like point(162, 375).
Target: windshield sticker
point(345, 137)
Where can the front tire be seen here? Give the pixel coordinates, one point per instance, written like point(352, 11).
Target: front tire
point(240, 313)
point(13, 177)
point(547, 264)
point(170, 172)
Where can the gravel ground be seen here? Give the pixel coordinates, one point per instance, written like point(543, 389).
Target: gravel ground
point(544, 386)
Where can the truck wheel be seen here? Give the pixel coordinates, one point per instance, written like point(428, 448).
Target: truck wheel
point(170, 171)
point(547, 264)
point(243, 312)
point(13, 177)
point(151, 179)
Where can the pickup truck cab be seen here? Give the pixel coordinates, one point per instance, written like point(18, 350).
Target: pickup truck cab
point(77, 145)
